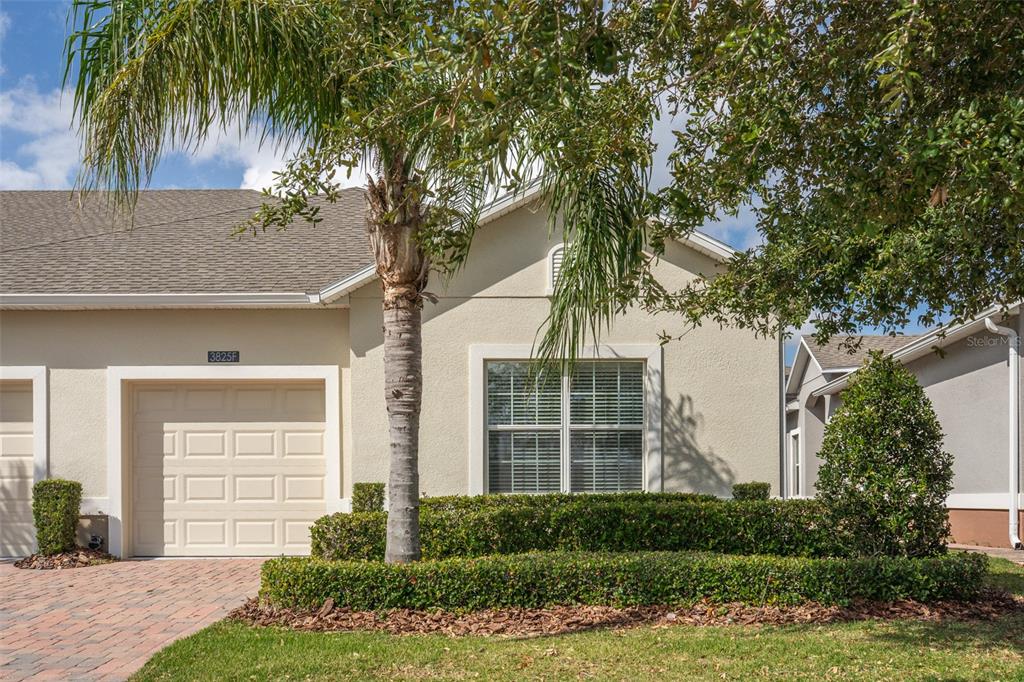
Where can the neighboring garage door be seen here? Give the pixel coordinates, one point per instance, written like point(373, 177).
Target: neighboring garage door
point(226, 469)
point(17, 537)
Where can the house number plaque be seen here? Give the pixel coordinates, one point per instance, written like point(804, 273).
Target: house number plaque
point(222, 356)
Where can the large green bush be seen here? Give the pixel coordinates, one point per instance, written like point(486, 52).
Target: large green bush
point(367, 497)
point(582, 523)
point(631, 579)
point(885, 477)
point(55, 505)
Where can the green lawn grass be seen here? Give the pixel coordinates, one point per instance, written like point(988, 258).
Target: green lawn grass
point(870, 651)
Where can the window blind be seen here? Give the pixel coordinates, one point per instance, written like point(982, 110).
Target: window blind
point(524, 416)
point(593, 439)
point(606, 418)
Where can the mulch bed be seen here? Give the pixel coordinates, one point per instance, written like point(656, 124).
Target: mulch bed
point(78, 558)
point(566, 619)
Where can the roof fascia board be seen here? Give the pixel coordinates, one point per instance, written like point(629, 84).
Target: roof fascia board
point(348, 284)
point(709, 246)
point(939, 338)
point(189, 300)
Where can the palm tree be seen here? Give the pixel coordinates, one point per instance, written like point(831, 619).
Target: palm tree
point(410, 90)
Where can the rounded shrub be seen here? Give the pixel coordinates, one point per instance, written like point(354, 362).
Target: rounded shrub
point(885, 477)
point(55, 505)
point(756, 490)
point(367, 497)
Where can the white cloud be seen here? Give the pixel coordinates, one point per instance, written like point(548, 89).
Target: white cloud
point(13, 176)
point(48, 158)
point(50, 153)
point(261, 161)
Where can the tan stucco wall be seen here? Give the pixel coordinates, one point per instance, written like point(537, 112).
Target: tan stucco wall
point(720, 386)
point(78, 346)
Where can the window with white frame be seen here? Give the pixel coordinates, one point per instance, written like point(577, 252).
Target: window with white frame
point(576, 432)
point(795, 465)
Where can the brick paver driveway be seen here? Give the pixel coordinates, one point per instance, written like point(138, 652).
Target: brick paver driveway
point(104, 622)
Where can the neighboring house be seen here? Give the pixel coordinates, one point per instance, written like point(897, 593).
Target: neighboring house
point(214, 395)
point(965, 372)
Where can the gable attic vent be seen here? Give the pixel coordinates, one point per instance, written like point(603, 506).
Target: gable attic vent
point(554, 266)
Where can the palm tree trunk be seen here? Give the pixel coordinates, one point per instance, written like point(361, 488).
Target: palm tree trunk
point(403, 386)
point(394, 219)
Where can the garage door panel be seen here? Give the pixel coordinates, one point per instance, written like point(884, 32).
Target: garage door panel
point(17, 532)
point(247, 478)
point(261, 444)
point(16, 486)
point(254, 400)
point(303, 444)
point(206, 489)
point(205, 443)
point(296, 534)
point(154, 401)
point(151, 488)
point(257, 532)
point(304, 403)
point(256, 489)
point(303, 488)
point(205, 399)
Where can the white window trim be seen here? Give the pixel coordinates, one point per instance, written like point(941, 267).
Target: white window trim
point(119, 376)
point(549, 262)
point(651, 354)
point(802, 483)
point(40, 413)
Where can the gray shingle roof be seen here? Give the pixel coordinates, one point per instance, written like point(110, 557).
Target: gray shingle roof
point(835, 355)
point(180, 243)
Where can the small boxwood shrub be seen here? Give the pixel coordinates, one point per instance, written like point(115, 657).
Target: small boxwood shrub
point(884, 476)
point(367, 497)
point(633, 579)
point(55, 505)
point(756, 490)
point(788, 528)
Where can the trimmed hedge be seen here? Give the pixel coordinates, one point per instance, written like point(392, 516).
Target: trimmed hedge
point(751, 491)
point(55, 505)
point(552, 500)
point(367, 497)
point(785, 528)
point(662, 578)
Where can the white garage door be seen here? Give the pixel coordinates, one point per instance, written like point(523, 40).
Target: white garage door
point(226, 469)
point(17, 535)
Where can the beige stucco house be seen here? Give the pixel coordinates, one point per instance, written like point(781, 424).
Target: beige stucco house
point(967, 372)
point(216, 395)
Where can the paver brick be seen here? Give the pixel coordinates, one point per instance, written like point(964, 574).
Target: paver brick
point(104, 622)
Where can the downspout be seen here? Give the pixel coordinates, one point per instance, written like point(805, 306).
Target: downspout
point(1014, 449)
point(783, 483)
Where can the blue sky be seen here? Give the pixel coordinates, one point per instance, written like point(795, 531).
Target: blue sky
point(38, 147)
